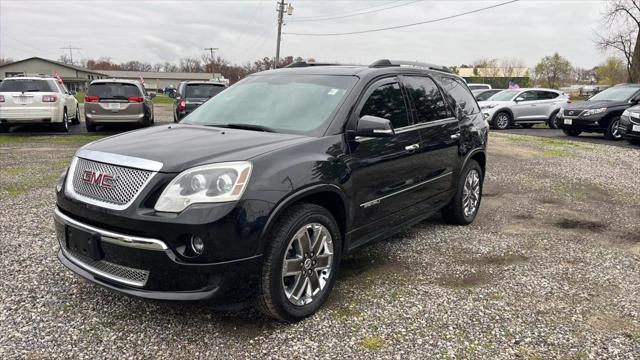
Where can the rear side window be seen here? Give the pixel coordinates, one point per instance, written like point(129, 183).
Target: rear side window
point(461, 95)
point(387, 102)
point(202, 90)
point(113, 90)
point(427, 99)
point(546, 95)
point(27, 85)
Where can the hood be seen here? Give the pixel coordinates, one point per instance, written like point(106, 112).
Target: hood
point(594, 104)
point(179, 147)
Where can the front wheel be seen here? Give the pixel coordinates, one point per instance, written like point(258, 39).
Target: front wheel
point(553, 121)
point(464, 206)
point(501, 121)
point(301, 263)
point(613, 133)
point(91, 127)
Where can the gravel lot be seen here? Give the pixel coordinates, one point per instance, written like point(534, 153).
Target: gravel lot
point(550, 269)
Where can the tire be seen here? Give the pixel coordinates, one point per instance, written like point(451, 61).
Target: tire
point(612, 132)
point(501, 120)
point(4, 128)
point(91, 127)
point(527, 126)
point(572, 132)
point(285, 241)
point(64, 125)
point(552, 123)
point(634, 141)
point(459, 211)
point(76, 119)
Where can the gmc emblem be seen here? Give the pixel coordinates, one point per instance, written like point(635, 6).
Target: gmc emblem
point(105, 181)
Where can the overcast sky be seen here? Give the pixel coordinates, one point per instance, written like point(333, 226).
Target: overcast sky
point(158, 31)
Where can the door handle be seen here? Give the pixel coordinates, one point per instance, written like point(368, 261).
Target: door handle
point(412, 147)
point(455, 136)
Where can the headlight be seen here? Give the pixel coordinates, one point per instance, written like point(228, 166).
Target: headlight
point(634, 115)
point(205, 184)
point(594, 111)
point(626, 113)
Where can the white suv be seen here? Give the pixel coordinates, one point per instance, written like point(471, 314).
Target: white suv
point(36, 100)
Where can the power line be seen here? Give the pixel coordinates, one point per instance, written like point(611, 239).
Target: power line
point(70, 48)
point(405, 25)
point(348, 12)
point(356, 14)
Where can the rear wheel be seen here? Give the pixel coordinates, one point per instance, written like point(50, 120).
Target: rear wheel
point(301, 263)
point(463, 208)
point(502, 120)
point(613, 133)
point(76, 119)
point(64, 125)
point(553, 120)
point(572, 132)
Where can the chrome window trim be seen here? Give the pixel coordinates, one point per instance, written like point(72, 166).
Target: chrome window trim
point(113, 237)
point(70, 191)
point(378, 200)
point(426, 124)
point(120, 160)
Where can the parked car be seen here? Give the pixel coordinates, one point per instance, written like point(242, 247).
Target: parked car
point(37, 100)
point(629, 126)
point(479, 87)
point(601, 112)
point(111, 101)
point(265, 187)
point(192, 94)
point(484, 95)
point(525, 107)
point(169, 91)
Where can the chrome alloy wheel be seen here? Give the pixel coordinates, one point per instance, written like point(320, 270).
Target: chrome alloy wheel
point(306, 266)
point(615, 130)
point(502, 122)
point(471, 193)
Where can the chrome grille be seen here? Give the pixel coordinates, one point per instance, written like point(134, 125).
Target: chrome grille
point(109, 270)
point(126, 183)
point(572, 113)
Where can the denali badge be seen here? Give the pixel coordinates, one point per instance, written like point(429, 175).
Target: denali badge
point(105, 181)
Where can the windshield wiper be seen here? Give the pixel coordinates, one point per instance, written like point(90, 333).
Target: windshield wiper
point(248, 127)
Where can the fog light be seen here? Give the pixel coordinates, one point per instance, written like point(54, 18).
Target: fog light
point(197, 245)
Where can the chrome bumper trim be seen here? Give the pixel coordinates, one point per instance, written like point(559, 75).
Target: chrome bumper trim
point(113, 237)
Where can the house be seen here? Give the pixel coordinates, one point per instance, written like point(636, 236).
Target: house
point(75, 77)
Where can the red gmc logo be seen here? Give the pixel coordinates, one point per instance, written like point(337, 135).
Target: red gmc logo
point(105, 181)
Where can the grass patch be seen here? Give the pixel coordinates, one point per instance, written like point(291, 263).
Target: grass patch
point(76, 140)
point(373, 343)
point(162, 100)
point(80, 97)
point(557, 152)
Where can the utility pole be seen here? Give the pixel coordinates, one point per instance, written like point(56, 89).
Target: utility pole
point(211, 49)
point(70, 48)
point(281, 8)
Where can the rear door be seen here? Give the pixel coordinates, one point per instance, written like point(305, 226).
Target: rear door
point(439, 132)
point(546, 104)
point(385, 171)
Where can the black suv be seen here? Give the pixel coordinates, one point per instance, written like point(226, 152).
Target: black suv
point(192, 94)
point(600, 113)
point(264, 188)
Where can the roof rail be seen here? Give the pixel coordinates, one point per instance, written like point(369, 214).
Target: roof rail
point(387, 63)
point(306, 64)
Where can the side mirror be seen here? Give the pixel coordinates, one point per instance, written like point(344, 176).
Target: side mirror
point(519, 98)
point(373, 126)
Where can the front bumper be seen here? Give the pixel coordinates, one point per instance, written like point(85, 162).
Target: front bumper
point(149, 268)
point(588, 124)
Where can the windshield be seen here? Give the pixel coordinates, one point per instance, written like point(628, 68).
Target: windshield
point(283, 103)
point(113, 90)
point(202, 90)
point(478, 87)
point(505, 95)
point(482, 96)
point(622, 93)
point(26, 85)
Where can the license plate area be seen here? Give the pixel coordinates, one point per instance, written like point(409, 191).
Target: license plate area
point(568, 121)
point(113, 106)
point(84, 243)
point(635, 128)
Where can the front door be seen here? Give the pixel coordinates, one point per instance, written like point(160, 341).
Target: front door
point(525, 109)
point(385, 170)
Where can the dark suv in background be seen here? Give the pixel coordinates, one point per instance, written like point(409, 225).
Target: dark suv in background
point(264, 188)
point(600, 113)
point(192, 94)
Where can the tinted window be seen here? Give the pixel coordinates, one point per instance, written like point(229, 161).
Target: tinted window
point(486, 95)
point(616, 93)
point(460, 93)
point(284, 103)
point(387, 102)
point(429, 103)
point(478, 87)
point(202, 90)
point(528, 96)
point(113, 90)
point(27, 85)
point(546, 95)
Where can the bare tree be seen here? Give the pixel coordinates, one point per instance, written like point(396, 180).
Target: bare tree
point(487, 68)
point(188, 64)
point(511, 67)
point(64, 58)
point(157, 67)
point(623, 16)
